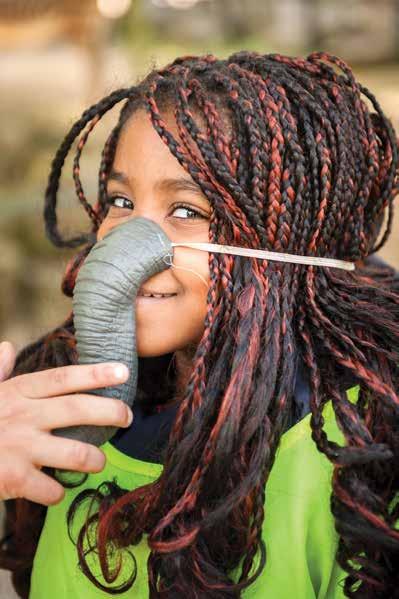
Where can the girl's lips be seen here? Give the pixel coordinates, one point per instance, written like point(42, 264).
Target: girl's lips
point(145, 295)
point(143, 298)
point(149, 294)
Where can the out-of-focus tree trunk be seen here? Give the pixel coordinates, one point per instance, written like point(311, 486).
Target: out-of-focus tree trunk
point(229, 14)
point(314, 29)
point(396, 29)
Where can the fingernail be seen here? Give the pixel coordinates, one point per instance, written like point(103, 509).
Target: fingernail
point(130, 417)
point(120, 371)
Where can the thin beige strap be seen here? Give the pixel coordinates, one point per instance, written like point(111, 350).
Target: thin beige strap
point(277, 256)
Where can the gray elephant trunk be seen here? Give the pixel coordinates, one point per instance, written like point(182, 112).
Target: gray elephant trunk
point(104, 307)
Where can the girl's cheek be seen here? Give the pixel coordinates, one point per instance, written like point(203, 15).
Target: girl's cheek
point(109, 223)
point(103, 229)
point(191, 267)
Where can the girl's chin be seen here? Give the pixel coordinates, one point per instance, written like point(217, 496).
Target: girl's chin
point(152, 352)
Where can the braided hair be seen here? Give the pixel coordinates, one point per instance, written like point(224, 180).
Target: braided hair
point(294, 155)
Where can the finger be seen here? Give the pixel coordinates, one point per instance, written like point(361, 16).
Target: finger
point(31, 484)
point(70, 379)
point(66, 454)
point(7, 359)
point(71, 410)
point(41, 488)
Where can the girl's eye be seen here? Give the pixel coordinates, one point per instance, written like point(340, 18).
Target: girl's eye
point(181, 212)
point(195, 214)
point(119, 202)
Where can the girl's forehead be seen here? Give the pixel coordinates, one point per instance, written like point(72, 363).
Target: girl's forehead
point(140, 122)
point(142, 158)
point(140, 140)
point(218, 118)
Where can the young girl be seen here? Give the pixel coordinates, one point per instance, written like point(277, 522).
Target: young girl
point(262, 460)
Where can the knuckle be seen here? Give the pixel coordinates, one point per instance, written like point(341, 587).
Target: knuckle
point(16, 384)
point(73, 405)
point(78, 408)
point(120, 411)
point(13, 480)
point(8, 411)
point(79, 454)
point(96, 374)
point(98, 461)
point(59, 376)
point(13, 409)
point(56, 494)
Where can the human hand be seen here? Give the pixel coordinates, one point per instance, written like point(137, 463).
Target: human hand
point(31, 405)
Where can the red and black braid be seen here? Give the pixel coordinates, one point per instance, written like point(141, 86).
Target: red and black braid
point(291, 159)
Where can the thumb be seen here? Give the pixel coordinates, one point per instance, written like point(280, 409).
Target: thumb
point(7, 359)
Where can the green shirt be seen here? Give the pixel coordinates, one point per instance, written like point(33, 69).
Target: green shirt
point(298, 528)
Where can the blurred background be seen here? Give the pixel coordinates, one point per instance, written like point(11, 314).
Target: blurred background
point(59, 56)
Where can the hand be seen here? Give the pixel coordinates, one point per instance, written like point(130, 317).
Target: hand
point(31, 405)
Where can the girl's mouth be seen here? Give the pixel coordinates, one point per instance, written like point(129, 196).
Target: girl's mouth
point(153, 296)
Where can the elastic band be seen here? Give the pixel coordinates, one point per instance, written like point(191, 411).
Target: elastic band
point(170, 263)
point(277, 256)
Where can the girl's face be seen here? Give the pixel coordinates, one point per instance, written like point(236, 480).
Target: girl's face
point(154, 185)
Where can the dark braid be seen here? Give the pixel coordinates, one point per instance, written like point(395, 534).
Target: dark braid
point(290, 159)
point(105, 165)
point(94, 113)
point(76, 174)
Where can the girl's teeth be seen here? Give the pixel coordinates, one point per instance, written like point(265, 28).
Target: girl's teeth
point(158, 295)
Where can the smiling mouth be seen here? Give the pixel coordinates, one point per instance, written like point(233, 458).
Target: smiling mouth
point(145, 294)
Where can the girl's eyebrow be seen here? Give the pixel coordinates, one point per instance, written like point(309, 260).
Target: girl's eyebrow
point(170, 184)
point(179, 184)
point(118, 176)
